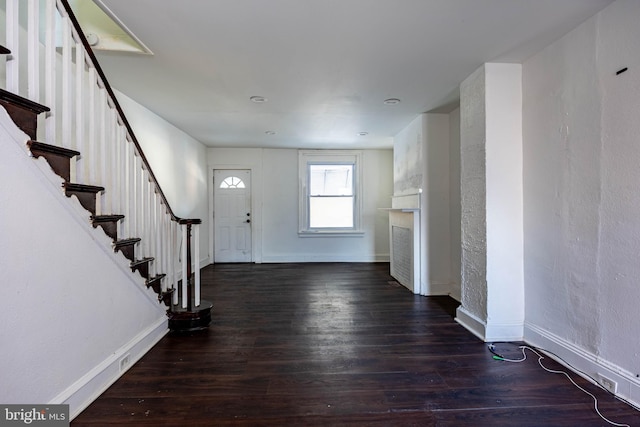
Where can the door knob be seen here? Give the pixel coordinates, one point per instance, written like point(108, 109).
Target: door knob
point(248, 220)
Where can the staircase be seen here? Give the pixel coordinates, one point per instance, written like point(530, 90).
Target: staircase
point(100, 161)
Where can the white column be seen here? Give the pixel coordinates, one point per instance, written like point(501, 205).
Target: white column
point(492, 203)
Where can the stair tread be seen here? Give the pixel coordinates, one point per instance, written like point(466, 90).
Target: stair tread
point(22, 102)
point(156, 277)
point(106, 218)
point(85, 188)
point(126, 242)
point(53, 149)
point(141, 261)
point(4, 50)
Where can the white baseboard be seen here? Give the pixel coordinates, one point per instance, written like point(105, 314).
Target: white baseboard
point(293, 258)
point(436, 289)
point(456, 292)
point(470, 322)
point(579, 359)
point(204, 262)
point(489, 332)
point(87, 389)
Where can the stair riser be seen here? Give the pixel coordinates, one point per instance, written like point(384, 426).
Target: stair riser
point(143, 269)
point(60, 164)
point(25, 119)
point(110, 229)
point(87, 200)
point(156, 285)
point(128, 252)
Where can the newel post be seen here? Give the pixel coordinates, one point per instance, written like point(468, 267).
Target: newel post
point(191, 313)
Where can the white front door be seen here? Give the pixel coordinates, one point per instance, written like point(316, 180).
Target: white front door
point(232, 215)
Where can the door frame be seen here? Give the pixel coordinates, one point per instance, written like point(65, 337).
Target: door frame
point(256, 209)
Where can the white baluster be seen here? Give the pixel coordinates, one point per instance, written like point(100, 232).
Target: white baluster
point(81, 140)
point(13, 44)
point(147, 214)
point(157, 235)
point(196, 262)
point(164, 234)
point(137, 203)
point(93, 154)
point(185, 281)
point(123, 186)
point(103, 179)
point(50, 71)
point(67, 138)
point(172, 260)
point(110, 124)
point(33, 50)
point(117, 170)
point(131, 192)
point(153, 226)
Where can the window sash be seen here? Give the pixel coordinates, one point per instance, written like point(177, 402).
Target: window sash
point(349, 194)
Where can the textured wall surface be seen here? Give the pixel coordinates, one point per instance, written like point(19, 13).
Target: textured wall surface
point(491, 193)
point(473, 193)
point(581, 175)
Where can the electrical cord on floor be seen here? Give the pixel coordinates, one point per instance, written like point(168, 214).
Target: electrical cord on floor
point(536, 351)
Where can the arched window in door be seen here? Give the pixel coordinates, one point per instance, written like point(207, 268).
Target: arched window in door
point(232, 182)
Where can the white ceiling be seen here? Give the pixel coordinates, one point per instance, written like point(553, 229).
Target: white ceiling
point(326, 66)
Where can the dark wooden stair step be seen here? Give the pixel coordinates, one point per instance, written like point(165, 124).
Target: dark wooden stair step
point(59, 158)
point(127, 247)
point(22, 111)
point(86, 194)
point(141, 266)
point(155, 283)
point(4, 50)
point(109, 224)
point(165, 297)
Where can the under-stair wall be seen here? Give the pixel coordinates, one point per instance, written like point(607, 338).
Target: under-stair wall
point(77, 315)
point(73, 310)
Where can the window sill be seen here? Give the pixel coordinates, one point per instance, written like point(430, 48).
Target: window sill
point(332, 233)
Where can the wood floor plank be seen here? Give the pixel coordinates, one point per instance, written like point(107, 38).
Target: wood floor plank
point(336, 345)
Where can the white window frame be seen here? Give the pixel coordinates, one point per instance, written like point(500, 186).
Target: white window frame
point(325, 157)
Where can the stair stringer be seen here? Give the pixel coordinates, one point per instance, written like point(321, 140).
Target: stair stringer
point(73, 308)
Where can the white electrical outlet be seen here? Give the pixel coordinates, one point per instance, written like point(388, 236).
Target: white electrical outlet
point(608, 383)
point(124, 362)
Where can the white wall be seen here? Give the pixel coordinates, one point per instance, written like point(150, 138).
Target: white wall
point(178, 161)
point(582, 204)
point(72, 307)
point(455, 207)
point(275, 207)
point(421, 163)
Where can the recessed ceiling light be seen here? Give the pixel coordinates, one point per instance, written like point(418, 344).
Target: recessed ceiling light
point(363, 133)
point(270, 132)
point(258, 99)
point(392, 101)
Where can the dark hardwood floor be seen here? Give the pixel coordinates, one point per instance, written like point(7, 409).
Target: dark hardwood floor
point(337, 345)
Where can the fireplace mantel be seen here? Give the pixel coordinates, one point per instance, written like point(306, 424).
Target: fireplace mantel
point(404, 239)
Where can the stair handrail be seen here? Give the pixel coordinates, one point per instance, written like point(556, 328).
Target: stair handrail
point(122, 116)
point(147, 208)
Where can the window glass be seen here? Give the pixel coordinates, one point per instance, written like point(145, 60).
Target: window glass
point(329, 192)
point(232, 182)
